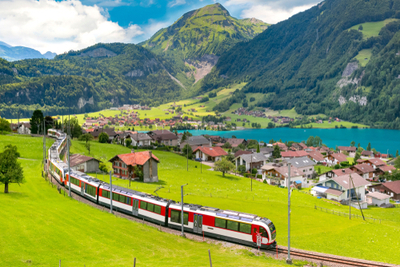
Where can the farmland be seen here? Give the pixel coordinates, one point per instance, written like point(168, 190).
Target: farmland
point(312, 229)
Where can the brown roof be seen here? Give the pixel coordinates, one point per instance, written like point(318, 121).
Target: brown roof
point(364, 168)
point(162, 135)
point(284, 171)
point(345, 181)
point(393, 186)
point(235, 141)
point(137, 158)
point(241, 152)
point(387, 168)
point(376, 162)
point(366, 153)
point(340, 172)
point(316, 155)
point(339, 156)
point(378, 195)
point(77, 159)
point(333, 192)
point(212, 151)
point(348, 148)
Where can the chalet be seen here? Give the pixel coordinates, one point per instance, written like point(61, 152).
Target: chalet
point(366, 153)
point(140, 139)
point(293, 154)
point(251, 161)
point(278, 175)
point(316, 157)
point(378, 199)
point(109, 131)
point(343, 188)
point(281, 146)
point(364, 170)
point(24, 128)
point(335, 173)
point(267, 151)
point(375, 162)
point(335, 158)
point(241, 152)
point(196, 141)
point(304, 165)
point(164, 137)
point(236, 142)
point(389, 188)
point(124, 165)
point(209, 153)
point(299, 146)
point(382, 169)
point(349, 149)
point(84, 163)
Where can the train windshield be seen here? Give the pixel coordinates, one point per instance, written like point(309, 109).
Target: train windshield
point(272, 229)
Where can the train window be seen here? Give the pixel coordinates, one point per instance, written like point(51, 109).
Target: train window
point(221, 223)
point(263, 232)
point(231, 225)
point(115, 196)
point(128, 200)
point(175, 216)
point(105, 194)
point(74, 181)
point(143, 205)
point(150, 207)
point(157, 209)
point(90, 190)
point(245, 228)
point(122, 198)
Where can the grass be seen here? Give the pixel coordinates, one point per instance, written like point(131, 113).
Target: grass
point(311, 229)
point(40, 227)
point(333, 124)
point(323, 168)
point(371, 29)
point(364, 56)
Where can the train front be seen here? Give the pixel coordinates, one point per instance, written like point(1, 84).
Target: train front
point(268, 233)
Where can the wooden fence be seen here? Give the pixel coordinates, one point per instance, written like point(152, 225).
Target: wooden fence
point(344, 214)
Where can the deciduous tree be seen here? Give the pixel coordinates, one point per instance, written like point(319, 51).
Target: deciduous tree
point(223, 165)
point(36, 121)
point(4, 126)
point(10, 169)
point(103, 137)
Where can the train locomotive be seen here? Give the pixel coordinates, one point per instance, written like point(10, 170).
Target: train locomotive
point(231, 226)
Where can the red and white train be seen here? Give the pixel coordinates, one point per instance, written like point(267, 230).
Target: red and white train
point(226, 225)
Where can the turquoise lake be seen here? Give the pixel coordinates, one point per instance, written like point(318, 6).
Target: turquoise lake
point(380, 139)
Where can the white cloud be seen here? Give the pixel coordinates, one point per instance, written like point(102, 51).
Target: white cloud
point(271, 14)
point(47, 25)
point(176, 3)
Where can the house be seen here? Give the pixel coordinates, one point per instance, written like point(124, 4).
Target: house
point(335, 173)
point(124, 165)
point(378, 199)
point(195, 141)
point(241, 152)
point(213, 154)
point(390, 188)
point(278, 175)
point(364, 170)
point(382, 169)
point(24, 128)
point(335, 158)
point(84, 163)
point(251, 161)
point(267, 151)
point(366, 153)
point(343, 188)
point(316, 157)
point(304, 165)
point(375, 162)
point(349, 149)
point(234, 142)
point(281, 146)
point(164, 137)
point(109, 131)
point(140, 139)
point(299, 146)
point(293, 154)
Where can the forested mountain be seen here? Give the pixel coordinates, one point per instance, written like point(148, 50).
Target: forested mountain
point(196, 40)
point(90, 79)
point(13, 53)
point(340, 58)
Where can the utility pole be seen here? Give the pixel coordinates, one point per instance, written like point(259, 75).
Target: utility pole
point(251, 173)
point(183, 231)
point(44, 145)
point(110, 193)
point(69, 167)
point(349, 197)
point(187, 156)
point(358, 200)
point(288, 260)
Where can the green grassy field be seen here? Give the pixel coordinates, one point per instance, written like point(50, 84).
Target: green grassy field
point(371, 29)
point(333, 124)
point(364, 56)
point(311, 229)
point(40, 227)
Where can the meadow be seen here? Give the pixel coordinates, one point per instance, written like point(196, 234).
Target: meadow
point(333, 124)
point(40, 227)
point(371, 29)
point(311, 229)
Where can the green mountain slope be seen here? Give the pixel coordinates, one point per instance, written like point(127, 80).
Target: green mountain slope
point(322, 61)
point(196, 40)
point(97, 77)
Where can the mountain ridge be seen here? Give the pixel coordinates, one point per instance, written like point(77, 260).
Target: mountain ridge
point(14, 53)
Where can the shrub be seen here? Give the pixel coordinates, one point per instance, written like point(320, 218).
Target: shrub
point(103, 138)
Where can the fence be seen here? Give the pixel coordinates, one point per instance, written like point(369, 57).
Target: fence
point(346, 214)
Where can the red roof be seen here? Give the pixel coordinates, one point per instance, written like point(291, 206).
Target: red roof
point(348, 148)
point(294, 154)
point(137, 158)
point(316, 156)
point(393, 186)
point(340, 172)
point(364, 168)
point(376, 162)
point(387, 168)
point(212, 151)
point(339, 157)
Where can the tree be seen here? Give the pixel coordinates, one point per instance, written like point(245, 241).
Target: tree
point(75, 128)
point(138, 172)
point(227, 145)
point(187, 151)
point(10, 169)
point(87, 137)
point(245, 103)
point(252, 99)
point(36, 122)
point(4, 125)
point(223, 165)
point(103, 137)
point(258, 148)
point(103, 167)
point(277, 152)
point(360, 28)
point(357, 157)
point(397, 162)
point(128, 142)
point(317, 141)
point(353, 144)
point(369, 147)
point(270, 125)
point(310, 141)
point(241, 168)
point(397, 153)
point(48, 122)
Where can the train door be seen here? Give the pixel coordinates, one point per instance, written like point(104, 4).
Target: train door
point(198, 223)
point(254, 231)
point(135, 207)
point(82, 188)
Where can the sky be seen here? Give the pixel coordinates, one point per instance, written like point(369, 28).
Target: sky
point(63, 25)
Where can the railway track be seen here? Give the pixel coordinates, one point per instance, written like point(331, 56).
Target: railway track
point(325, 259)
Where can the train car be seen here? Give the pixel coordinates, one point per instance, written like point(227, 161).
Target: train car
point(58, 168)
point(61, 145)
point(52, 133)
point(226, 225)
point(84, 185)
point(138, 204)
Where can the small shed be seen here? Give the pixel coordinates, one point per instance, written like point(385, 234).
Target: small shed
point(84, 163)
point(297, 184)
point(377, 199)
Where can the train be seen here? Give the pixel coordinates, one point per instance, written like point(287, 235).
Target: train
point(232, 226)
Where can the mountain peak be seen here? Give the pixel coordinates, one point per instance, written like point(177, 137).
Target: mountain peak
point(214, 9)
